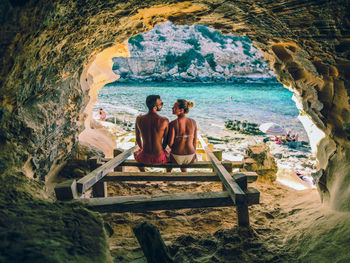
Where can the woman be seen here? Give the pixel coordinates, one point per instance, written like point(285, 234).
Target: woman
point(182, 135)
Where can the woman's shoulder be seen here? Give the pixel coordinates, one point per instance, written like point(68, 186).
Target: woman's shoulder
point(191, 120)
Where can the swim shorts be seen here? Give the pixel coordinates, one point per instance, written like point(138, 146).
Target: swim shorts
point(144, 158)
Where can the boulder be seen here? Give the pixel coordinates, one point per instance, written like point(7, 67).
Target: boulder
point(77, 165)
point(259, 159)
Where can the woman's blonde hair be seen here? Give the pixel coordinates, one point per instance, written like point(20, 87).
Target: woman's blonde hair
point(185, 104)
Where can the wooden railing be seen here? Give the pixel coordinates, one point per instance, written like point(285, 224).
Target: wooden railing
point(235, 189)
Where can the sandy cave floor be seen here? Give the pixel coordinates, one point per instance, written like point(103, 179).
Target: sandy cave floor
point(287, 226)
point(211, 234)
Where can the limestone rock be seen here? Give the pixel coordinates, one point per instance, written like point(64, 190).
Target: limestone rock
point(259, 159)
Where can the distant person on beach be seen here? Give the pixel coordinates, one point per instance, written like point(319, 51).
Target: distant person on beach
point(151, 134)
point(182, 134)
point(103, 115)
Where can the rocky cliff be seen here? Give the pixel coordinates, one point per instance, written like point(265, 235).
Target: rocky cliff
point(191, 53)
point(55, 55)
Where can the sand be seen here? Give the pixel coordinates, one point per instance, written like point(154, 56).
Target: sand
point(288, 225)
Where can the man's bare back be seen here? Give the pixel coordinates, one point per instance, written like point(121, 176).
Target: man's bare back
point(151, 133)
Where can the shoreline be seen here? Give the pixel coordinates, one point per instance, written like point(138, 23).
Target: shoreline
point(290, 161)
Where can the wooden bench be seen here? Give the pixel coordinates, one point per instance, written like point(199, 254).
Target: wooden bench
point(235, 185)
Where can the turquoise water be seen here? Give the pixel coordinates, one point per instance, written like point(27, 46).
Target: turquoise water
point(214, 103)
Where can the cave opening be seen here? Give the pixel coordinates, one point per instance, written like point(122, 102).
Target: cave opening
point(46, 47)
point(224, 75)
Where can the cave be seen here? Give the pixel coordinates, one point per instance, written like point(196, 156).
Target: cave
point(57, 55)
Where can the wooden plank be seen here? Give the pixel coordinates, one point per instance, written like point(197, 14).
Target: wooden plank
point(153, 176)
point(116, 152)
point(241, 180)
point(229, 184)
point(253, 196)
point(160, 176)
point(251, 176)
point(89, 180)
point(200, 164)
point(143, 203)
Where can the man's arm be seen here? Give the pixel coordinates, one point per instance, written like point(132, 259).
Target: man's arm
point(138, 132)
point(171, 135)
point(165, 135)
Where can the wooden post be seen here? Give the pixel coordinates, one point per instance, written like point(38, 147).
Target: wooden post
point(116, 152)
point(66, 190)
point(100, 188)
point(243, 215)
point(152, 243)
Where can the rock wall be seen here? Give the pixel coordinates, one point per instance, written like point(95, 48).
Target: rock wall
point(49, 75)
point(191, 53)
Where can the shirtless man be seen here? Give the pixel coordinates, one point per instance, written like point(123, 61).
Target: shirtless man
point(151, 134)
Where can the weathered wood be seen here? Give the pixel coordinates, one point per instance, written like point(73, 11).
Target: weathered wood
point(251, 176)
point(200, 164)
point(66, 190)
point(116, 152)
point(241, 180)
point(243, 215)
point(99, 189)
point(93, 177)
point(143, 203)
point(152, 243)
point(230, 185)
point(158, 176)
point(253, 196)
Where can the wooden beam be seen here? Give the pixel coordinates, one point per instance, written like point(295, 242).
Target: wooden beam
point(251, 176)
point(200, 164)
point(116, 152)
point(143, 203)
point(154, 176)
point(184, 177)
point(66, 190)
point(89, 180)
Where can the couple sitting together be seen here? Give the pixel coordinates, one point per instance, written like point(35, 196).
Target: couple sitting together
point(154, 133)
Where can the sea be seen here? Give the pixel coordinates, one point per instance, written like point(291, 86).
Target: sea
point(215, 103)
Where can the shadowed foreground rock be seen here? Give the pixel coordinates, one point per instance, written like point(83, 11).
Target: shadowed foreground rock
point(152, 243)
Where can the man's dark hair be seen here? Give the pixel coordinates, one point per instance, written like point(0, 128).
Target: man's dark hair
point(151, 101)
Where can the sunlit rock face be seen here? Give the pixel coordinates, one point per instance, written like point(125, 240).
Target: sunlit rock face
point(48, 46)
point(191, 53)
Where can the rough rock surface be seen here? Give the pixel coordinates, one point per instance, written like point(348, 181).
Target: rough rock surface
point(259, 159)
point(197, 53)
point(55, 55)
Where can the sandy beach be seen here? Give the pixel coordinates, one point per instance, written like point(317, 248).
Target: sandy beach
point(281, 229)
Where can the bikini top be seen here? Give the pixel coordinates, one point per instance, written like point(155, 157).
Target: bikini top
point(185, 135)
